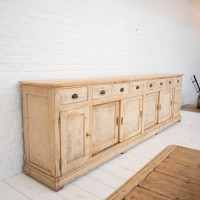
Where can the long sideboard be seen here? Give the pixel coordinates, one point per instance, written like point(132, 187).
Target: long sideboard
point(72, 126)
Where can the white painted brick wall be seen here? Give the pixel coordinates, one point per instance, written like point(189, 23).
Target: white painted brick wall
point(45, 39)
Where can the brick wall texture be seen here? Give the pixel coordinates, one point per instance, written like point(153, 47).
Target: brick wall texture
point(57, 39)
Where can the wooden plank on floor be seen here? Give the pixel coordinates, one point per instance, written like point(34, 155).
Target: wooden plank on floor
point(190, 108)
point(171, 187)
point(186, 154)
point(138, 177)
point(180, 169)
point(143, 194)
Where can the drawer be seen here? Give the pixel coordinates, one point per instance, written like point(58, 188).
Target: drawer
point(73, 95)
point(101, 91)
point(170, 81)
point(136, 86)
point(177, 80)
point(121, 88)
point(162, 83)
point(150, 84)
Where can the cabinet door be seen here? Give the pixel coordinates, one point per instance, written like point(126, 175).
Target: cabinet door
point(131, 115)
point(150, 110)
point(74, 142)
point(177, 101)
point(165, 108)
point(105, 126)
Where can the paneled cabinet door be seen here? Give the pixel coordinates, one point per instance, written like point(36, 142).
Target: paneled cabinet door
point(105, 126)
point(165, 108)
point(150, 110)
point(131, 117)
point(74, 140)
point(177, 101)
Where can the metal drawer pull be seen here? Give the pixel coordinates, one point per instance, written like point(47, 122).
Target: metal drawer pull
point(177, 81)
point(151, 85)
point(74, 96)
point(161, 83)
point(122, 120)
point(122, 89)
point(170, 82)
point(102, 92)
point(137, 87)
point(88, 135)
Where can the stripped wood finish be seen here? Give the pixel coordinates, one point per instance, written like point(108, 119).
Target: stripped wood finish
point(173, 174)
point(72, 126)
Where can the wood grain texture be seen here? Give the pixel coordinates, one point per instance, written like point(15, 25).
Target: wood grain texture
point(168, 178)
point(139, 193)
point(170, 186)
point(180, 169)
point(186, 155)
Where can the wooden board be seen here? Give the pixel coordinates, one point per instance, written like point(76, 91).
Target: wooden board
point(143, 194)
point(190, 108)
point(173, 174)
point(96, 80)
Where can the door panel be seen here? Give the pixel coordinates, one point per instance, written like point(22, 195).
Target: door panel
point(74, 144)
point(165, 109)
point(130, 117)
point(177, 101)
point(150, 110)
point(105, 126)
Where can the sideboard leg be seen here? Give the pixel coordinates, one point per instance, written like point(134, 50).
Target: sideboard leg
point(58, 189)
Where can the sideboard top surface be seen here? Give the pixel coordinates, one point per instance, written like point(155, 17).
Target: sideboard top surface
point(94, 80)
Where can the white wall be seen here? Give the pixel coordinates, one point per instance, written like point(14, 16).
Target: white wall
point(45, 39)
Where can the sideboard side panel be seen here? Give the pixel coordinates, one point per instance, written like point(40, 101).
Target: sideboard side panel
point(38, 108)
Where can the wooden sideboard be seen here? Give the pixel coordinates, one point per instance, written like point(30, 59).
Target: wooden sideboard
point(72, 126)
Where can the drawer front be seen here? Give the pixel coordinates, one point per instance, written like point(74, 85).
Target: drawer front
point(137, 86)
point(170, 81)
point(177, 80)
point(150, 84)
point(102, 91)
point(162, 83)
point(73, 95)
point(121, 88)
